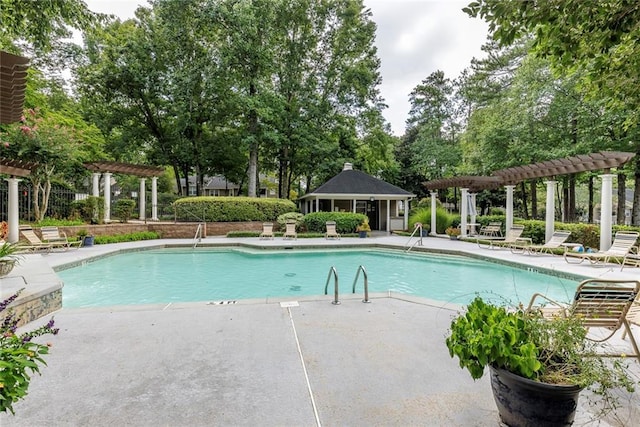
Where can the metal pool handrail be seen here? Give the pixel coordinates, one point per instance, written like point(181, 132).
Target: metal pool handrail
point(366, 283)
point(335, 285)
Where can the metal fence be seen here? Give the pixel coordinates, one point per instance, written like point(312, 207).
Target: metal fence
point(60, 203)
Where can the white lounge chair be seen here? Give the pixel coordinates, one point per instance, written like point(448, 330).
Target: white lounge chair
point(331, 232)
point(493, 242)
point(557, 240)
point(267, 230)
point(620, 249)
point(290, 232)
point(58, 238)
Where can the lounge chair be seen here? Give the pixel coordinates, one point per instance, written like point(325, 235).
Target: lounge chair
point(620, 249)
point(331, 232)
point(492, 230)
point(599, 304)
point(557, 240)
point(33, 241)
point(290, 232)
point(58, 238)
point(490, 242)
point(267, 230)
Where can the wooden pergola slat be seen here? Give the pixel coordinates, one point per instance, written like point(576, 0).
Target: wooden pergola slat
point(125, 168)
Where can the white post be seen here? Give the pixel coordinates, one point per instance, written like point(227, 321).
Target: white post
point(317, 204)
point(551, 210)
point(474, 212)
point(464, 205)
point(107, 196)
point(354, 205)
point(13, 215)
point(95, 190)
point(433, 212)
point(142, 200)
point(405, 224)
point(606, 208)
point(154, 198)
point(509, 207)
point(388, 216)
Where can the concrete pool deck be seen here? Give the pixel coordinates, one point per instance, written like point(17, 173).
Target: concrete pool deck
point(296, 363)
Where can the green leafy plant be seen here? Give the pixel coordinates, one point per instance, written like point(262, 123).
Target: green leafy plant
point(364, 226)
point(9, 251)
point(553, 351)
point(124, 209)
point(19, 355)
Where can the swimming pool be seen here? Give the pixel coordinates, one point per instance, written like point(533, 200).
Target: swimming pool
point(186, 275)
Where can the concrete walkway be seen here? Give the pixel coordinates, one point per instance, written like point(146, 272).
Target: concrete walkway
point(299, 363)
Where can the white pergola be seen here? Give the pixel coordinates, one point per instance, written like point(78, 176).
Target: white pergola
point(604, 160)
point(143, 171)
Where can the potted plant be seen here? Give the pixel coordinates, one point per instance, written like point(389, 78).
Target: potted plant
point(364, 229)
point(538, 366)
point(8, 257)
point(452, 232)
point(87, 239)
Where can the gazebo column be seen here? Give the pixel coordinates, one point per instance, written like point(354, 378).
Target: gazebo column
point(95, 190)
point(388, 216)
point(333, 205)
point(434, 196)
point(405, 225)
point(464, 206)
point(154, 198)
point(317, 204)
point(550, 210)
point(107, 196)
point(142, 199)
point(353, 206)
point(509, 206)
point(606, 206)
point(13, 216)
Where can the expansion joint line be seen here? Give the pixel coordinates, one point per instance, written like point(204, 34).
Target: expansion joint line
point(304, 369)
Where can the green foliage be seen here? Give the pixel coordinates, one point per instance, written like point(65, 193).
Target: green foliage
point(290, 216)
point(19, 355)
point(53, 222)
point(9, 251)
point(423, 215)
point(548, 350)
point(346, 222)
point(90, 210)
point(130, 237)
point(231, 209)
point(305, 235)
point(124, 209)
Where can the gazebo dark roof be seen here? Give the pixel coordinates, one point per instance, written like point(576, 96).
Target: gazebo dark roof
point(351, 181)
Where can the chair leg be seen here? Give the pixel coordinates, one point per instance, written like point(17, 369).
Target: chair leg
point(632, 339)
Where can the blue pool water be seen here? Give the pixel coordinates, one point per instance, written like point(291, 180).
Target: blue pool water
point(183, 275)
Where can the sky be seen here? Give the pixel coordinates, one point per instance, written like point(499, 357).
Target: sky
point(414, 39)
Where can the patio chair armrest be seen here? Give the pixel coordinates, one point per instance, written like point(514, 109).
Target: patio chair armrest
point(537, 295)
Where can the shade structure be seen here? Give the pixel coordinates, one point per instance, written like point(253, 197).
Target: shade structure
point(125, 168)
point(473, 183)
point(16, 167)
point(13, 83)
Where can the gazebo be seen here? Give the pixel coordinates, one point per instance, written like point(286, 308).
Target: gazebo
point(143, 171)
point(603, 160)
point(386, 205)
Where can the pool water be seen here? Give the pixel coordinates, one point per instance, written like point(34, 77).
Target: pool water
point(184, 275)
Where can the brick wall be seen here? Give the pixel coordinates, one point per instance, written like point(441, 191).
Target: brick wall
point(181, 230)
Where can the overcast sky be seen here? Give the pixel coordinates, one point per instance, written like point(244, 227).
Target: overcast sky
point(414, 39)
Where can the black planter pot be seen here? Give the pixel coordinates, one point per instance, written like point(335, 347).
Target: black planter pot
point(87, 241)
point(522, 402)
point(363, 234)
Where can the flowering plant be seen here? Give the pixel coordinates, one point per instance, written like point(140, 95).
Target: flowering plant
point(18, 355)
point(452, 231)
point(4, 230)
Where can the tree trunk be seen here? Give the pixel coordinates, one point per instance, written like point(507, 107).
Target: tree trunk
point(572, 198)
point(252, 173)
point(534, 198)
point(565, 200)
point(621, 198)
point(176, 172)
point(525, 208)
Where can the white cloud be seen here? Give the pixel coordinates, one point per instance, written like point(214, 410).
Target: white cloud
point(414, 39)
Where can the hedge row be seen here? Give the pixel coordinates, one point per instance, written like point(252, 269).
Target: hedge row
point(346, 222)
point(231, 209)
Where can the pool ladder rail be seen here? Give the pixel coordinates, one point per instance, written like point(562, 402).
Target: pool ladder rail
point(417, 229)
point(197, 238)
point(334, 273)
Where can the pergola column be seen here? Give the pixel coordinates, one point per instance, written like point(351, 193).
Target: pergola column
point(142, 202)
point(154, 198)
point(406, 214)
point(434, 198)
point(95, 189)
point(509, 206)
point(473, 213)
point(606, 206)
point(464, 206)
point(107, 196)
point(550, 210)
point(13, 216)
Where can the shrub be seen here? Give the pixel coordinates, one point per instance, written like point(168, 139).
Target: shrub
point(290, 216)
point(19, 355)
point(230, 209)
point(90, 210)
point(346, 222)
point(124, 209)
point(443, 219)
point(130, 237)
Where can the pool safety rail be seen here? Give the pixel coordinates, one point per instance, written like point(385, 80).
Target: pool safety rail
point(334, 273)
point(197, 238)
point(416, 229)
